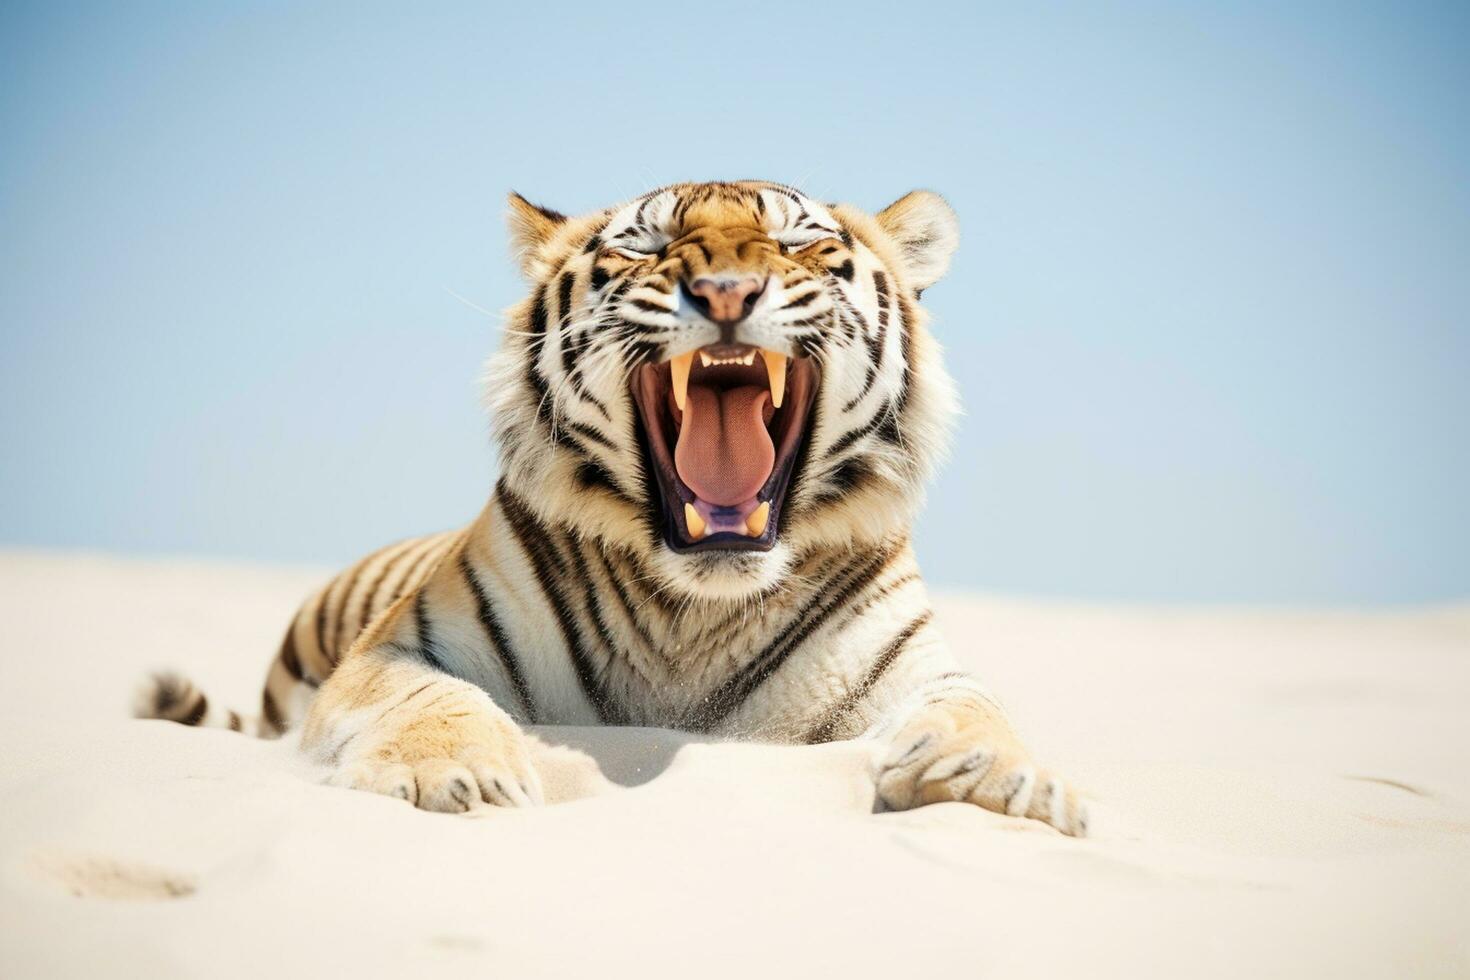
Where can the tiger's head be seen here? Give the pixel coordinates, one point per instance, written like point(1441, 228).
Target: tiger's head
point(723, 377)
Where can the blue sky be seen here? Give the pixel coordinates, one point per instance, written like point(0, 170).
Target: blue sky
point(1210, 316)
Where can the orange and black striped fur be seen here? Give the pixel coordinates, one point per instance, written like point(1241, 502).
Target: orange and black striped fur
point(716, 412)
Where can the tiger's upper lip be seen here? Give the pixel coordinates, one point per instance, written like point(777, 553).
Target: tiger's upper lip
point(726, 453)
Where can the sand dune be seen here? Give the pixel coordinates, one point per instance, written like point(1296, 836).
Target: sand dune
point(1274, 794)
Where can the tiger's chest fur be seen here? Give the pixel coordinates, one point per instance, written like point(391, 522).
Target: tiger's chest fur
point(536, 599)
point(696, 666)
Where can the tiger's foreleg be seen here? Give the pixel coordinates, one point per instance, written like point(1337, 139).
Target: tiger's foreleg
point(951, 741)
point(390, 720)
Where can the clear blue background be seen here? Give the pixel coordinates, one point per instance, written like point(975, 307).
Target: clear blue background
point(1209, 316)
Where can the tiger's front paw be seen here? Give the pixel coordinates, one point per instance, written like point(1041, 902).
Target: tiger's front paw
point(960, 752)
point(447, 747)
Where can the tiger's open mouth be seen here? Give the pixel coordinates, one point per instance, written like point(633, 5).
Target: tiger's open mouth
point(722, 428)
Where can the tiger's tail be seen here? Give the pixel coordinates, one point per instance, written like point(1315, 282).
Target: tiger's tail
point(173, 697)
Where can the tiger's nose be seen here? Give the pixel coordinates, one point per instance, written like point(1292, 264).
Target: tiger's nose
point(725, 299)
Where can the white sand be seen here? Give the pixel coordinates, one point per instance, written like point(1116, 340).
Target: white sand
point(1275, 794)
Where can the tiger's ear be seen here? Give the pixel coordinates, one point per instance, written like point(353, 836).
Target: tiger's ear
point(925, 228)
point(531, 227)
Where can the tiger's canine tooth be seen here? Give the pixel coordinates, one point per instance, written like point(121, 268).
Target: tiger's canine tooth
point(704, 359)
point(694, 522)
point(755, 524)
point(776, 371)
point(679, 368)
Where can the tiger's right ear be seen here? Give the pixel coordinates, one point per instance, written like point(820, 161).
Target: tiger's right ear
point(927, 232)
point(531, 227)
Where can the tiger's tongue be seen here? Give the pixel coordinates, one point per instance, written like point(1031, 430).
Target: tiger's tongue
point(724, 453)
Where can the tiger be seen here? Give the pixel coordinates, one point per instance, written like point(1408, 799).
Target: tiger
point(715, 414)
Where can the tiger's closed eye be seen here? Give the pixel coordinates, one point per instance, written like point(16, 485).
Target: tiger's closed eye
point(809, 248)
point(801, 239)
point(632, 255)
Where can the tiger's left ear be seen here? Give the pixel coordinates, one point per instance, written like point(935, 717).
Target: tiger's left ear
point(531, 226)
point(926, 231)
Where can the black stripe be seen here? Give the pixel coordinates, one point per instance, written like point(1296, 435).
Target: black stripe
point(196, 714)
point(594, 608)
point(851, 436)
point(290, 659)
point(271, 712)
point(537, 383)
point(906, 344)
point(426, 632)
point(887, 429)
point(571, 346)
point(538, 311)
point(493, 631)
point(580, 388)
point(416, 567)
point(827, 729)
point(848, 475)
point(588, 432)
point(561, 437)
point(341, 619)
point(872, 376)
point(723, 702)
point(884, 422)
point(550, 569)
point(321, 626)
point(370, 597)
point(887, 589)
point(853, 321)
point(875, 344)
point(816, 319)
point(626, 602)
point(564, 297)
point(640, 351)
point(570, 350)
point(235, 721)
point(592, 475)
point(537, 535)
point(681, 208)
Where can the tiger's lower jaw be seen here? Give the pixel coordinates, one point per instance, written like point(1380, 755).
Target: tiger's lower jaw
point(722, 429)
